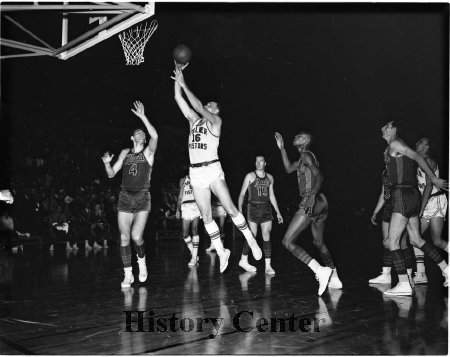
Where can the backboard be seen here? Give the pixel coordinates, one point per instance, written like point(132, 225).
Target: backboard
point(43, 28)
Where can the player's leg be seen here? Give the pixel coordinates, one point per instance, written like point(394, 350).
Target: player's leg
point(396, 227)
point(385, 276)
point(220, 189)
point(124, 220)
point(203, 199)
point(317, 229)
point(222, 218)
point(408, 255)
point(436, 228)
point(266, 229)
point(195, 241)
point(243, 262)
point(420, 276)
point(185, 224)
point(137, 234)
point(429, 249)
point(298, 224)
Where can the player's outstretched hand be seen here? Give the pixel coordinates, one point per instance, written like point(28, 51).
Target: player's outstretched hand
point(440, 183)
point(178, 76)
point(107, 157)
point(373, 219)
point(180, 66)
point(139, 109)
point(280, 140)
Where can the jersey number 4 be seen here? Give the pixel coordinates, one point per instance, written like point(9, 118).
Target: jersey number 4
point(133, 170)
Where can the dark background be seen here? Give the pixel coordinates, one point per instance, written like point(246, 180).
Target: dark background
point(339, 71)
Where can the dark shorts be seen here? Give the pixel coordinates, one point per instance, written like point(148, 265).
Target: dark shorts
point(320, 210)
point(134, 201)
point(259, 212)
point(406, 201)
point(387, 211)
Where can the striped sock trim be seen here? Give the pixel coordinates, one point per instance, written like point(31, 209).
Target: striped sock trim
point(140, 250)
point(432, 252)
point(125, 253)
point(387, 258)
point(398, 261)
point(213, 230)
point(267, 248)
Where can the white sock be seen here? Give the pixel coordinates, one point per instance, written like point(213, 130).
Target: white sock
point(214, 233)
point(241, 224)
point(268, 260)
point(386, 270)
point(314, 265)
point(195, 242)
point(442, 265)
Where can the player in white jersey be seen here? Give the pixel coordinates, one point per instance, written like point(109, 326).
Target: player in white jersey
point(433, 209)
point(205, 170)
point(190, 216)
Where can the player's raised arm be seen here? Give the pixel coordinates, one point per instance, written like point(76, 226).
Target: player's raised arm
point(210, 114)
point(111, 171)
point(187, 111)
point(402, 148)
point(290, 167)
point(139, 111)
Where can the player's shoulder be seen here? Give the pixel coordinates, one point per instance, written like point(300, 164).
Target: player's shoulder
point(307, 157)
point(125, 152)
point(251, 176)
point(431, 162)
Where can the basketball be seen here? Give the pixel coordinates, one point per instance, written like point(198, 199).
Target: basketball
point(182, 54)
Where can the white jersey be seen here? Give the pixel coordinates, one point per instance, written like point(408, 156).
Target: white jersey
point(421, 179)
point(203, 144)
point(188, 194)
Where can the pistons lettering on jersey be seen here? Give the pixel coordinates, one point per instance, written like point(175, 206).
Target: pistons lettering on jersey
point(196, 133)
point(188, 192)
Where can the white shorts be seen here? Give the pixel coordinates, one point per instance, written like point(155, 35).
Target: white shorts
point(205, 175)
point(436, 207)
point(189, 211)
point(218, 211)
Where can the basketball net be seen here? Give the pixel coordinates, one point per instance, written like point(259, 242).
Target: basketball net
point(134, 41)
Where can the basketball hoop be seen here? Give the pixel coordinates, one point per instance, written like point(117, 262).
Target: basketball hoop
point(134, 40)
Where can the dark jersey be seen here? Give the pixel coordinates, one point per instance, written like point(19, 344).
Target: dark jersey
point(401, 169)
point(306, 179)
point(136, 172)
point(386, 185)
point(258, 190)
